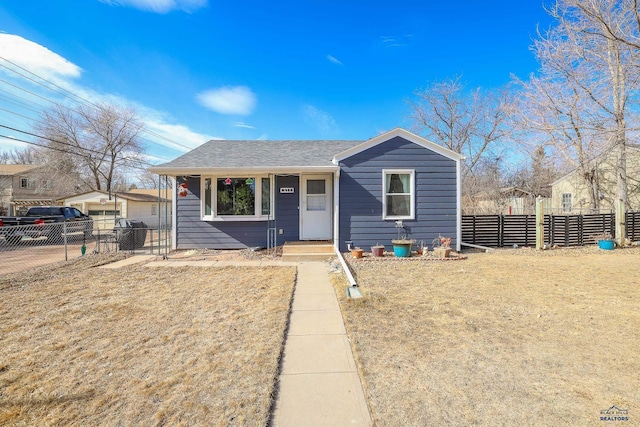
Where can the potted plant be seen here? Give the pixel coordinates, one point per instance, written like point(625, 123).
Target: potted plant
point(357, 252)
point(377, 250)
point(402, 247)
point(442, 246)
point(605, 241)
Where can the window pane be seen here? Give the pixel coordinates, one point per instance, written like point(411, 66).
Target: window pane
point(236, 196)
point(266, 196)
point(398, 205)
point(207, 196)
point(316, 186)
point(566, 202)
point(316, 203)
point(398, 183)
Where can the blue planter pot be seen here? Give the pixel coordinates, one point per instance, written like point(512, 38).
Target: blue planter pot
point(607, 245)
point(402, 250)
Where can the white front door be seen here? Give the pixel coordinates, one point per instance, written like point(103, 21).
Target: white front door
point(316, 207)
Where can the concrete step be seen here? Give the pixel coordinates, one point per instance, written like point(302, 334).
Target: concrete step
point(307, 251)
point(307, 247)
point(309, 256)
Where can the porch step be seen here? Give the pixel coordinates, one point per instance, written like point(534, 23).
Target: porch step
point(307, 251)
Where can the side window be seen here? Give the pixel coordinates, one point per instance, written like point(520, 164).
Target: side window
point(567, 202)
point(398, 196)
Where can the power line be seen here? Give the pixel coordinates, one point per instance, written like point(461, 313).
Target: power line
point(66, 151)
point(83, 101)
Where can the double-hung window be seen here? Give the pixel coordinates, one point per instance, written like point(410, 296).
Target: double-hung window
point(567, 202)
point(29, 183)
point(398, 198)
point(236, 197)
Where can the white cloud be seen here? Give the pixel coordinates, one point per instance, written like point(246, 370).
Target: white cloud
point(396, 41)
point(56, 69)
point(229, 100)
point(243, 125)
point(36, 58)
point(160, 6)
point(319, 119)
point(187, 138)
point(334, 60)
point(9, 144)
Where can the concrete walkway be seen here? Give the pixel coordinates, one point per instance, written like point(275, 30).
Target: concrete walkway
point(319, 384)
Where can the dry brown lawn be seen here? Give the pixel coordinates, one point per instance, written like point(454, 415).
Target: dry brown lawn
point(513, 337)
point(139, 346)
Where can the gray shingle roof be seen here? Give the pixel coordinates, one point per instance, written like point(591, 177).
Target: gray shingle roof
point(261, 154)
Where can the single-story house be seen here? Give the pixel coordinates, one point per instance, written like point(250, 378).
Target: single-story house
point(239, 194)
point(570, 193)
point(104, 209)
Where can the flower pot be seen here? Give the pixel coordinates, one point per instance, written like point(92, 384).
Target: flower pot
point(377, 251)
point(357, 253)
point(607, 245)
point(402, 250)
point(441, 252)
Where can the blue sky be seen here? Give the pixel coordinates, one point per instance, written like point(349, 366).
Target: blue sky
point(201, 69)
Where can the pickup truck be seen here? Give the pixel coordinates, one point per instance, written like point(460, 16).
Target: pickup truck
point(52, 222)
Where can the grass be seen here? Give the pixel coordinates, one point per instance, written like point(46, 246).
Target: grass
point(140, 346)
point(499, 339)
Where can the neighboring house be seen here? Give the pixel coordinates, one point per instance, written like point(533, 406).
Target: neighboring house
point(570, 194)
point(238, 194)
point(148, 208)
point(21, 187)
point(506, 201)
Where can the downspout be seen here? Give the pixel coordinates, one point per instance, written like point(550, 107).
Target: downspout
point(345, 267)
point(336, 210)
point(174, 216)
point(458, 204)
point(336, 230)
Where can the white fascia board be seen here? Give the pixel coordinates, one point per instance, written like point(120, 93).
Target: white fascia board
point(411, 137)
point(243, 171)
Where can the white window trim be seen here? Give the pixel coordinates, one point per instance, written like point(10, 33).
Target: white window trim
point(30, 183)
point(563, 206)
point(214, 201)
point(412, 197)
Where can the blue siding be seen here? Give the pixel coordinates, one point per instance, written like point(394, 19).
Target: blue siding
point(287, 209)
point(361, 195)
point(193, 232)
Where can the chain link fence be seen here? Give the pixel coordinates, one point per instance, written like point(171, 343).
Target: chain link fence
point(23, 247)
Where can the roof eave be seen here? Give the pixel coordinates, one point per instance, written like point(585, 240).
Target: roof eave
point(411, 137)
point(175, 171)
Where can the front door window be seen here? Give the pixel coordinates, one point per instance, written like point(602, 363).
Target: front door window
point(316, 191)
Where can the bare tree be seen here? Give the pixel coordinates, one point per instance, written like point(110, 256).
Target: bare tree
point(469, 123)
point(102, 143)
point(474, 124)
point(18, 156)
point(589, 76)
point(555, 116)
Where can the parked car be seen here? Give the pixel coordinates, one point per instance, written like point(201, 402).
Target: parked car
point(52, 222)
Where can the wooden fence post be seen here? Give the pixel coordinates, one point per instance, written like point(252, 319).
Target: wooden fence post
point(539, 223)
point(621, 232)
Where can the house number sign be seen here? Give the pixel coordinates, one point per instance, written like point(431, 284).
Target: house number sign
point(287, 190)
